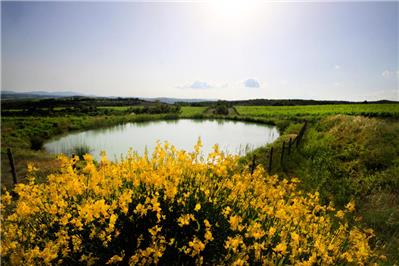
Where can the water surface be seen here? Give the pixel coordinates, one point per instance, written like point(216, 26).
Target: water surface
point(233, 137)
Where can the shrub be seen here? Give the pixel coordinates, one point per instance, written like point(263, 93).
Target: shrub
point(221, 110)
point(36, 143)
point(80, 150)
point(175, 207)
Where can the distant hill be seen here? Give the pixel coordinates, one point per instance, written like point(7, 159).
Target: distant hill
point(178, 100)
point(291, 102)
point(38, 94)
point(286, 102)
point(12, 95)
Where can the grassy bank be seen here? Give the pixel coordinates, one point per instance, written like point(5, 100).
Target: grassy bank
point(25, 136)
point(347, 158)
point(356, 157)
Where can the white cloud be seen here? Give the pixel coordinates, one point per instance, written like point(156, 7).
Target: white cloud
point(390, 74)
point(201, 85)
point(196, 85)
point(251, 83)
point(337, 67)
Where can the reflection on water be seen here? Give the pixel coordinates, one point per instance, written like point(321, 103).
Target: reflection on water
point(233, 137)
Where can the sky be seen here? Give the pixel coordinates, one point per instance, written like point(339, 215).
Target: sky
point(214, 50)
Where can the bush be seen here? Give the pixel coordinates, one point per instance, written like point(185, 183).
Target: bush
point(36, 143)
point(221, 110)
point(175, 207)
point(80, 150)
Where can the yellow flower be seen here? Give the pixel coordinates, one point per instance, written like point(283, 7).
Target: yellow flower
point(31, 168)
point(272, 231)
point(114, 259)
point(340, 214)
point(281, 248)
point(6, 198)
point(235, 221)
point(263, 219)
point(197, 246)
point(350, 206)
point(185, 219)
point(295, 237)
point(197, 207)
point(208, 235)
point(233, 243)
point(226, 211)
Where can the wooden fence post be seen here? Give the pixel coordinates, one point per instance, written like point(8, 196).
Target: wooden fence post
point(12, 165)
point(270, 160)
point(300, 134)
point(74, 163)
point(253, 164)
point(282, 153)
point(298, 138)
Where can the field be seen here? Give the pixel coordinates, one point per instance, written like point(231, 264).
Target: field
point(192, 110)
point(349, 109)
point(345, 167)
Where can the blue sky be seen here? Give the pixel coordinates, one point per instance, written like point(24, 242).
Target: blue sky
point(220, 49)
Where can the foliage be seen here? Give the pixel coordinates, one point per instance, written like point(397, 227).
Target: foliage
point(153, 108)
point(221, 110)
point(158, 108)
point(345, 157)
point(36, 142)
point(80, 150)
point(175, 207)
point(76, 101)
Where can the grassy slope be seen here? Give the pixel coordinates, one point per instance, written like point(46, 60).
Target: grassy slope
point(348, 157)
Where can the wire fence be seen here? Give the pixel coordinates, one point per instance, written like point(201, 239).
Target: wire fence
point(280, 154)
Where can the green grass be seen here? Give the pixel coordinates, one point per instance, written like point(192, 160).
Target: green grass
point(321, 110)
point(192, 110)
point(348, 157)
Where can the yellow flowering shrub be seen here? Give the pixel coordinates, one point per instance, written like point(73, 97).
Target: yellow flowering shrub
point(173, 207)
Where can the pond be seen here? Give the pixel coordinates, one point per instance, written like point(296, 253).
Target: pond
point(232, 136)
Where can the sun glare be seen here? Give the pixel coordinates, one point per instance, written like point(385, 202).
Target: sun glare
point(231, 9)
point(233, 13)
